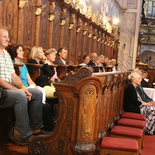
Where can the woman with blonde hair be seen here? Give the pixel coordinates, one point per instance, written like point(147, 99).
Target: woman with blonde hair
point(37, 56)
point(135, 101)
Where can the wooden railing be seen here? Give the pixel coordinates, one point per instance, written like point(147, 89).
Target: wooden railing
point(87, 103)
point(62, 70)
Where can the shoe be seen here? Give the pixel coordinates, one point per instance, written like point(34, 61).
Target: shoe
point(26, 140)
point(42, 132)
point(14, 136)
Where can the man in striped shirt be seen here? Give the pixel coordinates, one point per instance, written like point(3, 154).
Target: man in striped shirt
point(27, 103)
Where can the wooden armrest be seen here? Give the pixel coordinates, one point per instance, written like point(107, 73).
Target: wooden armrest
point(34, 70)
point(73, 68)
point(61, 71)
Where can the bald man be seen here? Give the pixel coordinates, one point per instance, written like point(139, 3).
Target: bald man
point(93, 58)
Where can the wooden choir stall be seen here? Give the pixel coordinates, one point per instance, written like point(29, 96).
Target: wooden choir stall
point(87, 103)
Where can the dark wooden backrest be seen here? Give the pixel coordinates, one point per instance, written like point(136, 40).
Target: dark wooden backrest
point(34, 70)
point(27, 51)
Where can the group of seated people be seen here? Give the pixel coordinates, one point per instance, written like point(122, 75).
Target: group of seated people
point(33, 115)
point(28, 97)
point(98, 62)
point(136, 100)
point(27, 102)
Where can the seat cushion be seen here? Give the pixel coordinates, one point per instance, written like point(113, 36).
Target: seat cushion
point(133, 116)
point(121, 144)
point(132, 122)
point(127, 132)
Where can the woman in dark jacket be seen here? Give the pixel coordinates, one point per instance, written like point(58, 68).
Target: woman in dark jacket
point(136, 100)
point(37, 56)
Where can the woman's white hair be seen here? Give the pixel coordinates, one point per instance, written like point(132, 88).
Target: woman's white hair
point(134, 75)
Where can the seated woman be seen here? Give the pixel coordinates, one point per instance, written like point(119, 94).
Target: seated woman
point(37, 56)
point(85, 59)
point(16, 53)
point(99, 65)
point(51, 56)
point(134, 102)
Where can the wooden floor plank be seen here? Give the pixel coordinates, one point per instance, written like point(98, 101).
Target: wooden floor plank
point(7, 148)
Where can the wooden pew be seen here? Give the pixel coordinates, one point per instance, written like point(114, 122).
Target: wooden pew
point(63, 70)
point(102, 68)
point(73, 68)
point(87, 103)
point(34, 70)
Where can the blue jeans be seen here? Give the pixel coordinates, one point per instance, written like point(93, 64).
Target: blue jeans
point(28, 113)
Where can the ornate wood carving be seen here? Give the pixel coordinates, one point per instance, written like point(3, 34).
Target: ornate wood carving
point(73, 78)
point(40, 148)
point(84, 112)
point(84, 148)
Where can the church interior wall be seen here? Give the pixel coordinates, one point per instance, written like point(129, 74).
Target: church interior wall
point(28, 27)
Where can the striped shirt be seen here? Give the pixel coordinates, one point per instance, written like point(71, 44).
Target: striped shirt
point(6, 67)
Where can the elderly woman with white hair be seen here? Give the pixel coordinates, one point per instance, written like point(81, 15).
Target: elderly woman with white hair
point(134, 102)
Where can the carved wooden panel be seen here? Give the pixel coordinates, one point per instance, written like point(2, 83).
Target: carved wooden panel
point(44, 25)
point(56, 27)
point(64, 40)
point(26, 26)
point(87, 103)
point(9, 11)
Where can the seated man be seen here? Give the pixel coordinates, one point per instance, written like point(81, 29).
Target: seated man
point(102, 58)
point(61, 60)
point(92, 61)
point(62, 56)
point(27, 103)
point(99, 65)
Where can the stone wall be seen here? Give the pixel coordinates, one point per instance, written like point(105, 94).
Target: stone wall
point(129, 24)
point(127, 32)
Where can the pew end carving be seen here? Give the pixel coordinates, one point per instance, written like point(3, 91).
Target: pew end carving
point(87, 103)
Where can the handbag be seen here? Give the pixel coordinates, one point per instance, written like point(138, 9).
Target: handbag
point(2, 95)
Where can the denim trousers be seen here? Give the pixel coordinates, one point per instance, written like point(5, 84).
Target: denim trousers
point(28, 113)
